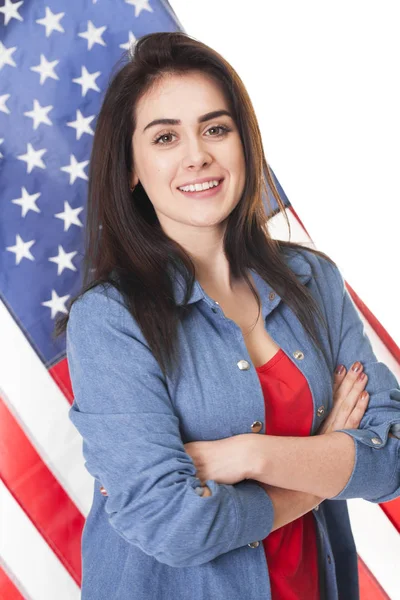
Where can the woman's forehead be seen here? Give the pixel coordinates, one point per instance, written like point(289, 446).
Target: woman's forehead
point(172, 93)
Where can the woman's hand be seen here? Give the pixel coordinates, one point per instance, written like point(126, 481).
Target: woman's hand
point(350, 401)
point(225, 461)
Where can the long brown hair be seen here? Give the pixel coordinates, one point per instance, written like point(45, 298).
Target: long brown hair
point(125, 245)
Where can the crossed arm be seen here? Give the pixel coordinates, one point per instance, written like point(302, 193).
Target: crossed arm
point(326, 463)
point(288, 504)
point(298, 473)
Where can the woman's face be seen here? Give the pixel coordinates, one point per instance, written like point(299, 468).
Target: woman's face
point(166, 156)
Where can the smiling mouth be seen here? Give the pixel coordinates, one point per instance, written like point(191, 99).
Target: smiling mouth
point(211, 191)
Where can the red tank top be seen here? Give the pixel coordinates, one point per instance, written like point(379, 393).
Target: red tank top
point(291, 551)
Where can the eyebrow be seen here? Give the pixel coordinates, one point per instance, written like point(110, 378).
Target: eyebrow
point(210, 115)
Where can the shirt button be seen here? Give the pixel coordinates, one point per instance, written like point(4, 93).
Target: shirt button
point(376, 440)
point(321, 411)
point(317, 507)
point(254, 544)
point(243, 365)
point(271, 295)
point(103, 491)
point(199, 490)
point(298, 354)
point(256, 426)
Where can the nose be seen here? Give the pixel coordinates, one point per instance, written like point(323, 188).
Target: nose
point(196, 155)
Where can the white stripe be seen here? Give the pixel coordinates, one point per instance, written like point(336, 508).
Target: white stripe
point(42, 411)
point(279, 230)
point(377, 542)
point(26, 554)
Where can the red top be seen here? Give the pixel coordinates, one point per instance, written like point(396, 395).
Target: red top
point(291, 550)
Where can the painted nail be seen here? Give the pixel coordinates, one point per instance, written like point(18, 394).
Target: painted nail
point(339, 370)
point(361, 377)
point(356, 367)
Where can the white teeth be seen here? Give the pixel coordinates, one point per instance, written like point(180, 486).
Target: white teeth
point(198, 187)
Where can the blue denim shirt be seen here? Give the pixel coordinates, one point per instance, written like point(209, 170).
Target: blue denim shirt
point(153, 536)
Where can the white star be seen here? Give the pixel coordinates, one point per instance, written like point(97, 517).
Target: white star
point(46, 69)
point(57, 303)
point(93, 35)
point(1, 141)
point(75, 169)
point(51, 21)
point(3, 100)
point(21, 249)
point(33, 158)
point(10, 11)
point(39, 114)
point(27, 201)
point(87, 81)
point(82, 124)
point(130, 43)
point(5, 56)
point(139, 6)
point(70, 216)
point(64, 260)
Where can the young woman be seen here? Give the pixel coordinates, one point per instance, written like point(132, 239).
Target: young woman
point(202, 356)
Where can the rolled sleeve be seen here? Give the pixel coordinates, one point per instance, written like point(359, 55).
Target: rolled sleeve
point(132, 445)
point(375, 475)
point(376, 472)
point(254, 507)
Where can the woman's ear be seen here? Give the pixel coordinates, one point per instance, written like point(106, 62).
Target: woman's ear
point(133, 180)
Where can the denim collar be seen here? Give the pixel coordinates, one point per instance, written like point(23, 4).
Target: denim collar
point(296, 261)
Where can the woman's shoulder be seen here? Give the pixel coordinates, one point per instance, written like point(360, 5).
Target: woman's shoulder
point(321, 275)
point(98, 293)
point(101, 306)
point(311, 263)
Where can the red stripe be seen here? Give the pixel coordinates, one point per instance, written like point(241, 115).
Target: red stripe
point(39, 494)
point(392, 511)
point(370, 589)
point(60, 374)
point(8, 590)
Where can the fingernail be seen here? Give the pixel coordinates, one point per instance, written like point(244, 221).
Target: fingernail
point(361, 377)
point(339, 370)
point(364, 396)
point(356, 367)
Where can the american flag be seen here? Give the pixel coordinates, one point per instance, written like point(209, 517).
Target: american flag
point(56, 59)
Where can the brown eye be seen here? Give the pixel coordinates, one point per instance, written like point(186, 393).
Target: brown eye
point(160, 137)
point(223, 130)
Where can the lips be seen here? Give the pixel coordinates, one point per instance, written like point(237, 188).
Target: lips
point(219, 179)
point(203, 194)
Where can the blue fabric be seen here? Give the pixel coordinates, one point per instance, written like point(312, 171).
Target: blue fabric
point(153, 536)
